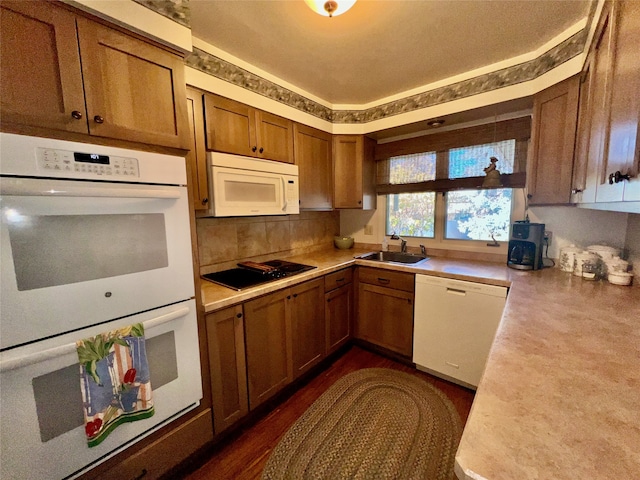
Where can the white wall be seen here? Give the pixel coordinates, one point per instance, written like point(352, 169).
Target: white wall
point(632, 243)
point(581, 226)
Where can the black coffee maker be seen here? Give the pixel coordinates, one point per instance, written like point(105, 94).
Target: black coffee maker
point(525, 246)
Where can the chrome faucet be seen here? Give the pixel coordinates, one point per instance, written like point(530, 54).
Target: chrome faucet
point(403, 242)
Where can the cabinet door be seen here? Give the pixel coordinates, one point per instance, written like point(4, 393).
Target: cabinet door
point(40, 75)
point(582, 134)
point(599, 100)
point(623, 149)
point(338, 314)
point(268, 346)
point(197, 156)
point(348, 151)
point(385, 318)
point(274, 137)
point(555, 112)
point(134, 91)
point(313, 157)
point(231, 126)
point(228, 369)
point(307, 325)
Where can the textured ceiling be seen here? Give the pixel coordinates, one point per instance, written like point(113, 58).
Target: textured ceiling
point(379, 48)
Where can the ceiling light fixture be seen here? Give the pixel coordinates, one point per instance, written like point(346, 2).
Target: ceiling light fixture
point(330, 8)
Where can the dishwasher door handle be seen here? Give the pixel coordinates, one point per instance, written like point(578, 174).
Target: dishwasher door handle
point(455, 291)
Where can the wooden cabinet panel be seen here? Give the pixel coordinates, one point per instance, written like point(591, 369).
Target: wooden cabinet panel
point(230, 126)
point(338, 316)
point(553, 136)
point(308, 328)
point(134, 91)
point(313, 157)
point(338, 279)
point(233, 127)
point(275, 137)
point(385, 318)
point(40, 76)
point(582, 135)
point(599, 101)
point(268, 346)
point(155, 460)
point(353, 172)
point(624, 119)
point(387, 278)
point(197, 156)
point(228, 370)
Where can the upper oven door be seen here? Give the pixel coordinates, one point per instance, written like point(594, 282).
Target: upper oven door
point(78, 253)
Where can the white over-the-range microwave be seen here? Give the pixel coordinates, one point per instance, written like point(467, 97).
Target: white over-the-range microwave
point(243, 186)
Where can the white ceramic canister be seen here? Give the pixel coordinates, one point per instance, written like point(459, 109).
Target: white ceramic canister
point(604, 251)
point(620, 278)
point(581, 258)
point(616, 264)
point(567, 257)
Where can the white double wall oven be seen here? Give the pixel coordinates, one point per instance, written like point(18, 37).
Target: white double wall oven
point(92, 238)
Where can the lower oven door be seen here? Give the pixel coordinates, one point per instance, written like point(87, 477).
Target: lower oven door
point(42, 424)
point(78, 253)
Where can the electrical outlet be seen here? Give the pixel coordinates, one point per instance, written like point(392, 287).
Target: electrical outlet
point(547, 237)
point(368, 229)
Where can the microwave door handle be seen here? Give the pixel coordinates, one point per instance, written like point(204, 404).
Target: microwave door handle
point(46, 188)
point(44, 355)
point(284, 194)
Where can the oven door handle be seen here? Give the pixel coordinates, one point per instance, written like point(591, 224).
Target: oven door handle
point(29, 187)
point(44, 355)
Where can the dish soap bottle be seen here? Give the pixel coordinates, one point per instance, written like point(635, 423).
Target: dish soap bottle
point(385, 245)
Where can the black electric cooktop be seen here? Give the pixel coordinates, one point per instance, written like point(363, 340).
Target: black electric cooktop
point(248, 276)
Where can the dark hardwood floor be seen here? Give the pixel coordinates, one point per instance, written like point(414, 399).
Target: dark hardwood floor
point(244, 457)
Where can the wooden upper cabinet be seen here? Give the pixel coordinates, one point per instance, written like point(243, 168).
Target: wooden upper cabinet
point(313, 157)
point(134, 91)
point(555, 113)
point(66, 72)
point(197, 156)
point(354, 172)
point(230, 126)
point(274, 137)
point(233, 127)
point(581, 152)
point(40, 76)
point(621, 158)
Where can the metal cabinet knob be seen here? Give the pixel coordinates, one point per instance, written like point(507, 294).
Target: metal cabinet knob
point(205, 201)
point(618, 177)
point(98, 119)
point(239, 315)
point(254, 148)
point(261, 150)
point(76, 114)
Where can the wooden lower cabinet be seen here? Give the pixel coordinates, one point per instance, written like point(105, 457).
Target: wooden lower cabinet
point(385, 314)
point(307, 325)
point(228, 368)
point(268, 346)
point(338, 309)
point(167, 452)
point(284, 337)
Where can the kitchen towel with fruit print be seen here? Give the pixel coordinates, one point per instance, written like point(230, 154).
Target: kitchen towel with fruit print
point(114, 379)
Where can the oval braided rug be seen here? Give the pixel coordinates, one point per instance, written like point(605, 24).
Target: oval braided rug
point(374, 423)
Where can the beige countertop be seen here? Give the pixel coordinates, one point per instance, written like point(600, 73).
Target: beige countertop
point(560, 395)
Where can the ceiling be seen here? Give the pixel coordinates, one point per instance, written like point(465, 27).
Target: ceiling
point(379, 48)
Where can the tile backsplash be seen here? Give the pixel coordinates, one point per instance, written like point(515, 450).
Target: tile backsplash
point(223, 242)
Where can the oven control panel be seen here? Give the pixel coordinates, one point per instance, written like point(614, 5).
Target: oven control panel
point(63, 163)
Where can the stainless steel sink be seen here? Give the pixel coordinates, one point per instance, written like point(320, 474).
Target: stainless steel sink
point(394, 257)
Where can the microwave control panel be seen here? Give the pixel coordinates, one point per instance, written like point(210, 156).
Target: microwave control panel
point(66, 164)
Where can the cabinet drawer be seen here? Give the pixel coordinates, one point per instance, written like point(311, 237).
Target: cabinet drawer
point(337, 279)
point(387, 278)
point(158, 458)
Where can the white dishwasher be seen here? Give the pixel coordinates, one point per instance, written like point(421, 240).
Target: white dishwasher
point(454, 326)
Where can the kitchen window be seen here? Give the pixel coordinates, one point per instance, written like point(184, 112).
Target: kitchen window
point(437, 194)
